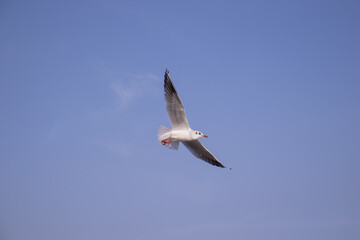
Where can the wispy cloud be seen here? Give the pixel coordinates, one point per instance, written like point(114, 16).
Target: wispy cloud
point(134, 86)
point(128, 87)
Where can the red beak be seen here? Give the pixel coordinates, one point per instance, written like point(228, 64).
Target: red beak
point(204, 136)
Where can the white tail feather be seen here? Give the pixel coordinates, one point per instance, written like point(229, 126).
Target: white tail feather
point(164, 133)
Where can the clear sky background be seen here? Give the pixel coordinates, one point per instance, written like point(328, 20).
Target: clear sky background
point(274, 84)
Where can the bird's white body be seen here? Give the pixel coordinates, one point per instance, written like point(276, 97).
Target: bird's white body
point(180, 135)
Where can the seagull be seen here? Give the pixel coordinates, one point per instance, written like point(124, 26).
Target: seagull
point(181, 131)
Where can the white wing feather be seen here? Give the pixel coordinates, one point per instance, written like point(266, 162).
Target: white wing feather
point(174, 106)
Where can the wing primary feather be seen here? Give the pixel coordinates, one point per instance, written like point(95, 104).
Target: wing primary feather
point(174, 106)
point(199, 151)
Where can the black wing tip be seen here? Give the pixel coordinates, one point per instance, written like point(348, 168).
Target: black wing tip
point(166, 76)
point(219, 164)
point(168, 85)
point(222, 166)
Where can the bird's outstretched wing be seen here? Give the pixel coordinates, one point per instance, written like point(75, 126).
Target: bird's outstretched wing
point(174, 106)
point(196, 148)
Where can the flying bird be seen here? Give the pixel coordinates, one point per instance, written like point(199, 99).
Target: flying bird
point(181, 131)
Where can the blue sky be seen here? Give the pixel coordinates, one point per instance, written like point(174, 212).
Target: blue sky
point(274, 84)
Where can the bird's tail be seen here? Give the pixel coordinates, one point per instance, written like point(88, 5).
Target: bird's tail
point(163, 133)
point(164, 136)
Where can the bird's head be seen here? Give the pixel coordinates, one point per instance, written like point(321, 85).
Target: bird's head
point(197, 134)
